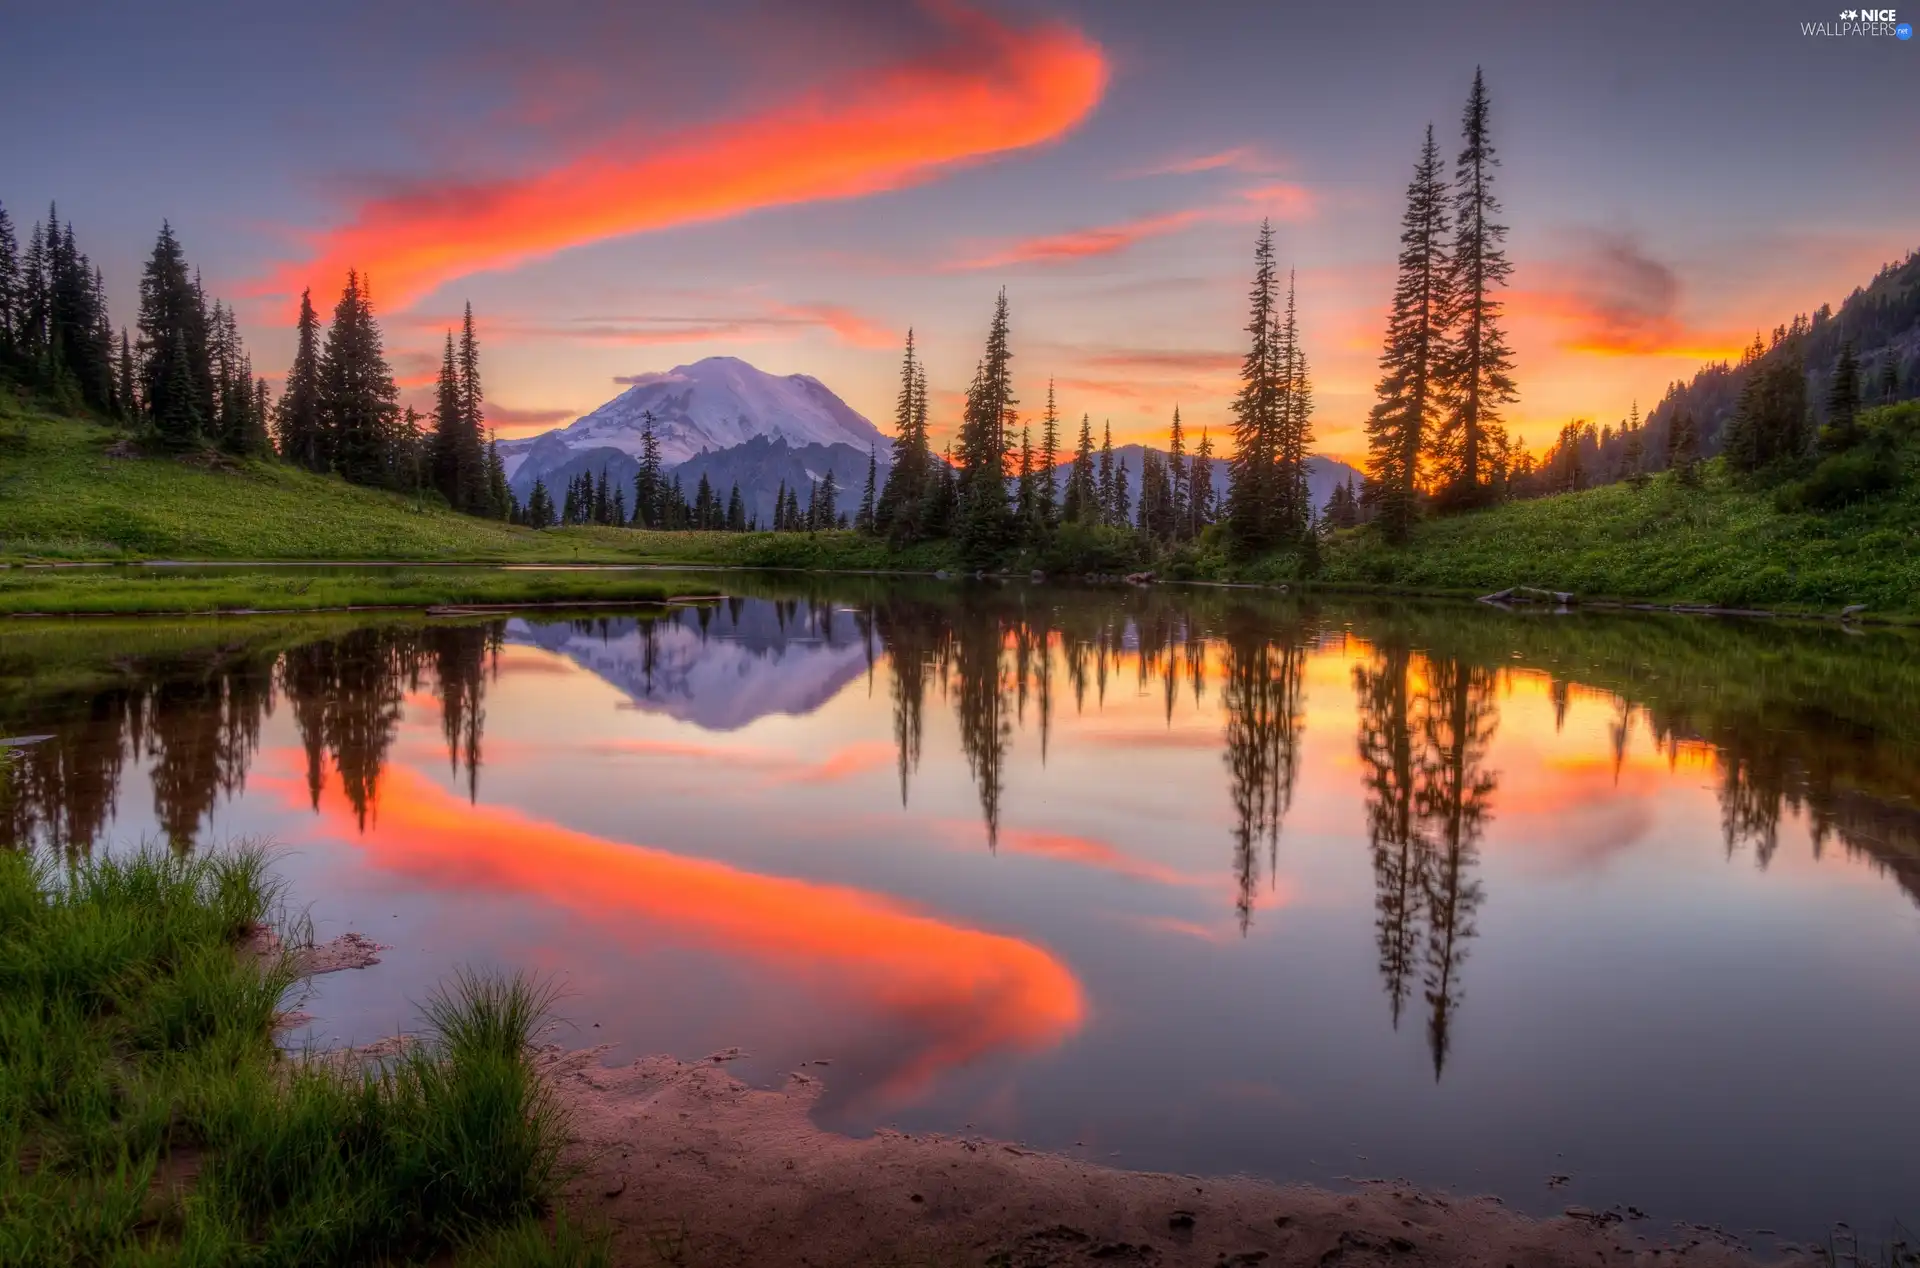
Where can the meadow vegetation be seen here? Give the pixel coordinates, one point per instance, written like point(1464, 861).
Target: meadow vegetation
point(147, 1117)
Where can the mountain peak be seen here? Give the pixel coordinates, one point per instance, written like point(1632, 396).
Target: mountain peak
point(711, 404)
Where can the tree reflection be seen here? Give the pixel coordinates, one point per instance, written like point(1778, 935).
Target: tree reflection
point(913, 637)
point(1262, 695)
point(1400, 856)
point(1424, 730)
point(982, 699)
point(196, 720)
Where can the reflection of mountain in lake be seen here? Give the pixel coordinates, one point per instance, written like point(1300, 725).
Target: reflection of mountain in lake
point(718, 667)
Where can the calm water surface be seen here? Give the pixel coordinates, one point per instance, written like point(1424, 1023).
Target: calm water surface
point(1192, 880)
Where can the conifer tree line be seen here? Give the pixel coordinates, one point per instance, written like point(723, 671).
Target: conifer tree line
point(996, 489)
point(184, 379)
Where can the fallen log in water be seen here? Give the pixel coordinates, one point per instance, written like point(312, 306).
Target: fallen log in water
point(1520, 594)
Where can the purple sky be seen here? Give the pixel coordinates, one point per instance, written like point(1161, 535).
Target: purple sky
point(620, 188)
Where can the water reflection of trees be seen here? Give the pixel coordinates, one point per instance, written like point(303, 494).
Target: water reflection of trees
point(1261, 695)
point(1424, 729)
point(196, 719)
point(998, 656)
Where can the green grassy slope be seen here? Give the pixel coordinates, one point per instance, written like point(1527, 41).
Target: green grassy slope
point(63, 496)
point(66, 495)
point(1721, 543)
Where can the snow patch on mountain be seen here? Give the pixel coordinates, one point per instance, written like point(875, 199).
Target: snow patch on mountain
point(711, 405)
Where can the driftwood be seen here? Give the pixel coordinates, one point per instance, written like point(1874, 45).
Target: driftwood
point(1525, 594)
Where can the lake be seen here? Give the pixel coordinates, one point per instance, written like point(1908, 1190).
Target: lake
point(1573, 909)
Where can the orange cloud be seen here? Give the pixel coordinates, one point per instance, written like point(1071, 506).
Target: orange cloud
point(962, 993)
point(1280, 200)
point(1611, 297)
point(850, 326)
point(1080, 244)
point(507, 418)
point(777, 321)
point(1241, 158)
point(1179, 361)
point(1283, 200)
point(994, 88)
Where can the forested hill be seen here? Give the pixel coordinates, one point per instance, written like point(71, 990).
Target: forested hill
point(1881, 320)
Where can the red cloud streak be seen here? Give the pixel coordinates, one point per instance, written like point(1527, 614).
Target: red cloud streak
point(995, 88)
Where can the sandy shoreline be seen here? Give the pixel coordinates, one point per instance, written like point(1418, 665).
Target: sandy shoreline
point(690, 1166)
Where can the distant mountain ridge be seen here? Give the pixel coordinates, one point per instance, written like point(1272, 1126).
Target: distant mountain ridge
point(1882, 322)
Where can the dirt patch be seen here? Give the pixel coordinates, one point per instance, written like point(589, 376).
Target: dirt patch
point(690, 1166)
point(348, 951)
point(211, 460)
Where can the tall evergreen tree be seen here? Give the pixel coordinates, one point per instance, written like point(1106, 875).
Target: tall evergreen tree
point(648, 486)
point(703, 503)
point(1889, 379)
point(169, 325)
point(1634, 450)
point(10, 296)
point(1683, 448)
point(539, 505)
point(1842, 431)
point(737, 511)
point(447, 448)
point(1253, 498)
point(303, 439)
point(476, 483)
point(863, 520)
point(498, 493)
point(1293, 431)
point(1407, 414)
point(128, 393)
point(1478, 366)
point(984, 524)
point(1156, 518)
point(359, 404)
point(1082, 502)
point(1048, 505)
point(30, 305)
point(1105, 487)
point(1770, 422)
point(829, 489)
point(1177, 478)
point(1200, 500)
point(943, 497)
point(898, 512)
point(1026, 502)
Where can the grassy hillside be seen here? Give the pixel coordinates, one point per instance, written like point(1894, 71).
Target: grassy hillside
point(67, 493)
point(66, 496)
point(1721, 543)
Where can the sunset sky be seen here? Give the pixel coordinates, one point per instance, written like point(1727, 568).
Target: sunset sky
point(621, 188)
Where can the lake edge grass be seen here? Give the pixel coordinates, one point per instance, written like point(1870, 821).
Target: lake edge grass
point(148, 1118)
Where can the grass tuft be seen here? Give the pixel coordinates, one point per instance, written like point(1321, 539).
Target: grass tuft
point(147, 1117)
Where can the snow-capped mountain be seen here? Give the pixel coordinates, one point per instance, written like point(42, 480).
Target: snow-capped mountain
point(711, 405)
